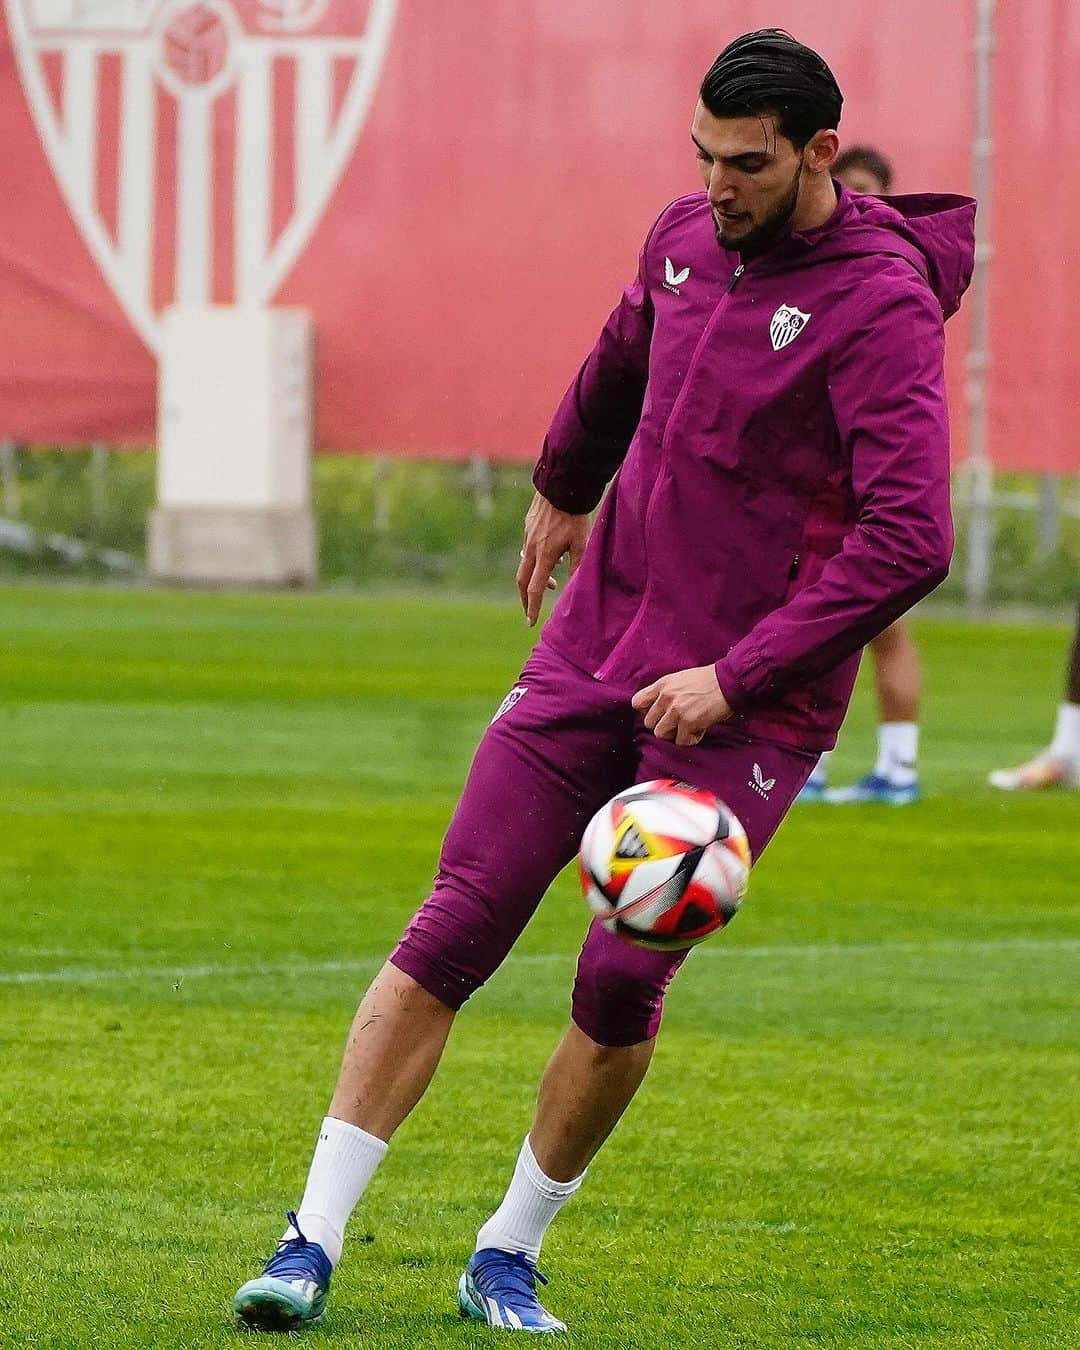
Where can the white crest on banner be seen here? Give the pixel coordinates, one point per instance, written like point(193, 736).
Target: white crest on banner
point(196, 51)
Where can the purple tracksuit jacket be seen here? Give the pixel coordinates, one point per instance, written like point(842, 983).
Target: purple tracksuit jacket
point(779, 442)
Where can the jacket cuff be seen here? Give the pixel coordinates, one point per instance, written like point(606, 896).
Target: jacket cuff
point(577, 498)
point(739, 697)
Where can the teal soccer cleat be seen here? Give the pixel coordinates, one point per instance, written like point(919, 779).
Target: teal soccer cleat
point(499, 1288)
point(291, 1291)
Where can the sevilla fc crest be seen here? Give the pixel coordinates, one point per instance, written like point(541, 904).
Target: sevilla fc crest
point(787, 323)
point(198, 142)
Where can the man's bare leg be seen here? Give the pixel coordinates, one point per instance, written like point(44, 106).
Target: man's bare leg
point(585, 1089)
point(394, 1046)
point(1059, 764)
point(898, 682)
point(897, 674)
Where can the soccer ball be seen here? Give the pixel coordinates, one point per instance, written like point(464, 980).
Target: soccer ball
point(664, 864)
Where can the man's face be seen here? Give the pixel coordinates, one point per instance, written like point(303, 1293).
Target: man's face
point(752, 175)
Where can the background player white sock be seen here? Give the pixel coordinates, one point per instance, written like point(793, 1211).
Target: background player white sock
point(345, 1160)
point(898, 752)
point(530, 1204)
point(1066, 742)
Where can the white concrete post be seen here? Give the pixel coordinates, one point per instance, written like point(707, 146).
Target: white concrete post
point(234, 447)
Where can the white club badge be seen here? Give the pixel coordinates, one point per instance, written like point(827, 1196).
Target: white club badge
point(786, 325)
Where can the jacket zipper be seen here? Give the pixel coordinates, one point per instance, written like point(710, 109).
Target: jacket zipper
point(707, 331)
point(665, 438)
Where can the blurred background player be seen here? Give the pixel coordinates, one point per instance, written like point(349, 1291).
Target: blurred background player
point(1059, 764)
point(897, 673)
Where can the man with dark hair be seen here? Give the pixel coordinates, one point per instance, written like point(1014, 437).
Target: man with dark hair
point(768, 399)
point(863, 168)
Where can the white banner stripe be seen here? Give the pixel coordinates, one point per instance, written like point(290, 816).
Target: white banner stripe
point(138, 136)
point(193, 200)
point(81, 122)
point(314, 81)
point(254, 173)
point(298, 969)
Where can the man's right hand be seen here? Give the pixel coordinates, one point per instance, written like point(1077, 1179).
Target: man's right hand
point(549, 534)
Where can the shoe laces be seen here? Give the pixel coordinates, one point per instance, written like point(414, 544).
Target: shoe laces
point(297, 1258)
point(514, 1273)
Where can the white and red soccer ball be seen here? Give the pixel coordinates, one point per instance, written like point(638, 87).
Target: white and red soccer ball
point(664, 864)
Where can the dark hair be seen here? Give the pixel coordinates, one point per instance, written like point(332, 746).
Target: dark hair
point(770, 72)
point(865, 157)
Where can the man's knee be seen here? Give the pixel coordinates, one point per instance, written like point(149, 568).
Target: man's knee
point(453, 944)
point(619, 990)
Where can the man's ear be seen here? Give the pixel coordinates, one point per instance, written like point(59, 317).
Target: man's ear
point(821, 151)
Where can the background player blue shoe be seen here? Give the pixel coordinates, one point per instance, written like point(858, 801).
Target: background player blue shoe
point(291, 1291)
point(874, 788)
point(500, 1289)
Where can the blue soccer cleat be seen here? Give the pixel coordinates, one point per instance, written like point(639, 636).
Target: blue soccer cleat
point(499, 1288)
point(291, 1291)
point(875, 788)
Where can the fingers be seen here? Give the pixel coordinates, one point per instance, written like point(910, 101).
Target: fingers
point(644, 697)
point(524, 576)
point(662, 716)
point(539, 581)
point(521, 577)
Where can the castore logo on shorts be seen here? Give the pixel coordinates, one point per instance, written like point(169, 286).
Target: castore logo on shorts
point(761, 785)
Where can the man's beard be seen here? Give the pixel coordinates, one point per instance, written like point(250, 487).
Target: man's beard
point(775, 225)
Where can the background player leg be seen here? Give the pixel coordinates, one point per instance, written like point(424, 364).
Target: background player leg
point(1059, 764)
point(898, 681)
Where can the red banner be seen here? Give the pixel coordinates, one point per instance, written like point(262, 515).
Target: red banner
point(458, 193)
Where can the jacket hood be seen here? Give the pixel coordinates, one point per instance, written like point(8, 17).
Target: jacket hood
point(933, 231)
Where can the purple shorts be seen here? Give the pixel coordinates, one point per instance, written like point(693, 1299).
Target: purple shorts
point(560, 746)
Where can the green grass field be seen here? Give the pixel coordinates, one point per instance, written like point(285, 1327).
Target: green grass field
point(216, 814)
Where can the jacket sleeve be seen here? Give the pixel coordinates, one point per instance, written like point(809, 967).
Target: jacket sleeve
point(596, 420)
point(887, 390)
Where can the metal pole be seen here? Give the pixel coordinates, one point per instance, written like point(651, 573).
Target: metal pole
point(383, 512)
point(99, 469)
point(1048, 529)
point(981, 509)
point(483, 486)
point(9, 478)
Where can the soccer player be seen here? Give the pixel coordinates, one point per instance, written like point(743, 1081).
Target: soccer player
point(894, 778)
point(767, 401)
point(1059, 764)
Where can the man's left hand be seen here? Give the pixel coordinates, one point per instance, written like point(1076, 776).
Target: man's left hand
point(683, 706)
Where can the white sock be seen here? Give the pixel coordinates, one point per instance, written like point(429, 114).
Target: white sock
point(345, 1160)
point(1066, 742)
point(820, 776)
point(898, 752)
point(530, 1204)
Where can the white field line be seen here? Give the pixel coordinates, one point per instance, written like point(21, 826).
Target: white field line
point(821, 951)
